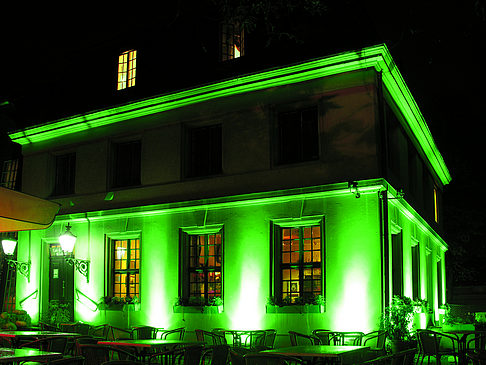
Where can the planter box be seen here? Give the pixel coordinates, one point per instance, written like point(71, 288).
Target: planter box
point(299, 309)
point(208, 309)
point(122, 307)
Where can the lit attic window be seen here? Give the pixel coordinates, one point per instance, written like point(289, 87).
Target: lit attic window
point(232, 41)
point(127, 67)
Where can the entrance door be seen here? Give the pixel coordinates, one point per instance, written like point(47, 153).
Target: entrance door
point(61, 279)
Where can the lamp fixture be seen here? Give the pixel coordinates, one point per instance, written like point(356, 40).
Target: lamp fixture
point(67, 241)
point(353, 188)
point(8, 245)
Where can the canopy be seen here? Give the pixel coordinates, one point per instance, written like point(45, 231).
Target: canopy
point(22, 212)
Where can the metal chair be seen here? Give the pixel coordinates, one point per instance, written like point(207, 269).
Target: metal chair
point(262, 358)
point(100, 331)
point(99, 354)
point(215, 355)
point(404, 357)
point(376, 340)
point(210, 337)
point(270, 336)
point(144, 332)
point(82, 328)
point(51, 344)
point(476, 348)
point(325, 336)
point(190, 355)
point(83, 340)
point(431, 344)
point(347, 338)
point(116, 333)
point(177, 333)
point(297, 338)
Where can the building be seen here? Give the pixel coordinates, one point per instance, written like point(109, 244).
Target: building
point(298, 197)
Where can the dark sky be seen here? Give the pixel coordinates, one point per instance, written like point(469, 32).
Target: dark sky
point(439, 48)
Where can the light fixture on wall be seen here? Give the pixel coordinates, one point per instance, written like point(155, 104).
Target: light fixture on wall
point(67, 241)
point(353, 188)
point(22, 267)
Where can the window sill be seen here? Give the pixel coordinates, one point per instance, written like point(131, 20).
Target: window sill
point(208, 309)
point(306, 308)
point(121, 307)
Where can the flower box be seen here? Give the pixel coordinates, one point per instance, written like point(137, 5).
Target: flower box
point(299, 309)
point(208, 309)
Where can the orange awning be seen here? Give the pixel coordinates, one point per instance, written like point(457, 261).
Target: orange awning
point(22, 212)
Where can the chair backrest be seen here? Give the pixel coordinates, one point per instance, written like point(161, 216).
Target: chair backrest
point(82, 328)
point(404, 357)
point(210, 337)
point(262, 358)
point(477, 343)
point(297, 338)
point(116, 333)
point(348, 338)
point(189, 355)
point(52, 344)
point(47, 327)
point(144, 332)
point(324, 336)
point(177, 333)
point(237, 355)
point(98, 354)
point(430, 342)
point(216, 354)
point(270, 336)
point(375, 339)
point(83, 340)
point(100, 331)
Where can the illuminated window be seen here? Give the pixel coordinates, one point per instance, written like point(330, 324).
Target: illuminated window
point(298, 263)
point(436, 205)
point(9, 174)
point(127, 68)
point(126, 268)
point(65, 174)
point(202, 279)
point(232, 41)
point(298, 136)
point(204, 152)
point(126, 164)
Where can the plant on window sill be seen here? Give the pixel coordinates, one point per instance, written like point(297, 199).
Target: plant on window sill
point(314, 304)
point(198, 304)
point(119, 303)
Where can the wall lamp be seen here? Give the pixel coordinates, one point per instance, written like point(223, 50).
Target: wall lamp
point(22, 267)
point(353, 188)
point(67, 241)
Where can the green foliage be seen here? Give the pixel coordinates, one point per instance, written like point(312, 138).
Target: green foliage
point(57, 313)
point(398, 318)
point(16, 319)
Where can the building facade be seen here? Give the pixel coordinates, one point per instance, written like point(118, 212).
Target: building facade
point(299, 197)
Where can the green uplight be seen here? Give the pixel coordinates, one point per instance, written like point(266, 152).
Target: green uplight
point(377, 57)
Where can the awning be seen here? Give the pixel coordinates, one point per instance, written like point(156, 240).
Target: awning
point(22, 212)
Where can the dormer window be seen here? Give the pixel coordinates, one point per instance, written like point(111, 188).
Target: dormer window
point(232, 41)
point(127, 67)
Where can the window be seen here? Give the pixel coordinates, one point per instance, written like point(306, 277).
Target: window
point(397, 264)
point(439, 283)
point(298, 136)
point(201, 275)
point(204, 151)
point(127, 67)
point(9, 174)
point(232, 41)
point(298, 263)
point(126, 164)
point(416, 271)
point(65, 174)
point(126, 268)
point(436, 205)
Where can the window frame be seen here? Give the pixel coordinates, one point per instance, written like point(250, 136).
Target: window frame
point(185, 267)
point(68, 184)
point(134, 171)
point(127, 69)
point(212, 166)
point(110, 254)
point(276, 257)
point(230, 35)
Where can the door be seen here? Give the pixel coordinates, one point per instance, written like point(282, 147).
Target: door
point(61, 279)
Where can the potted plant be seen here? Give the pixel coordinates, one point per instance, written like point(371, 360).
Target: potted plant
point(397, 321)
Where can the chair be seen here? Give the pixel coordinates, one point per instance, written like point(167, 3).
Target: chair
point(100, 331)
point(210, 337)
point(190, 355)
point(177, 333)
point(83, 340)
point(82, 328)
point(115, 333)
point(431, 344)
point(144, 332)
point(98, 354)
point(347, 338)
point(237, 355)
point(70, 360)
point(215, 355)
point(325, 336)
point(122, 362)
point(476, 348)
point(376, 340)
point(51, 344)
point(297, 338)
point(404, 357)
point(270, 336)
point(47, 327)
point(67, 327)
point(262, 358)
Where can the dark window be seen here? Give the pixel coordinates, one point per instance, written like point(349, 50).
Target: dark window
point(204, 151)
point(65, 174)
point(126, 167)
point(416, 272)
point(9, 174)
point(397, 264)
point(298, 136)
point(298, 264)
point(439, 284)
point(126, 268)
point(232, 41)
point(202, 279)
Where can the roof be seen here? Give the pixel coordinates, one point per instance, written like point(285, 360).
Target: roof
point(377, 57)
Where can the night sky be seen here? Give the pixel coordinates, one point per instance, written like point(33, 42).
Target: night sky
point(438, 47)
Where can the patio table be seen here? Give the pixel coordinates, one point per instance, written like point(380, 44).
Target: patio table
point(9, 355)
point(17, 335)
point(339, 354)
point(462, 338)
